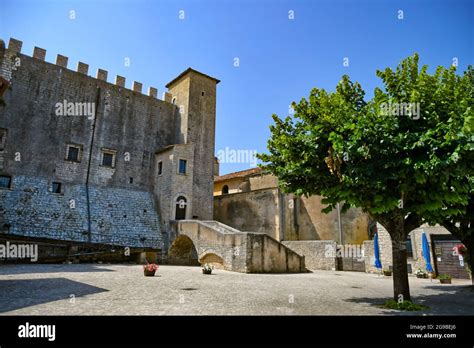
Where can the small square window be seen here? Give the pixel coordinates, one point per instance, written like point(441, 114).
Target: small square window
point(202, 93)
point(5, 181)
point(182, 166)
point(56, 187)
point(160, 167)
point(108, 158)
point(3, 138)
point(73, 153)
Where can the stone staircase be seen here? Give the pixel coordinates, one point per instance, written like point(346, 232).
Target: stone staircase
point(235, 250)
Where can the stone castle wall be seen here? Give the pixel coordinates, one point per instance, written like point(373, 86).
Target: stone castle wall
point(117, 216)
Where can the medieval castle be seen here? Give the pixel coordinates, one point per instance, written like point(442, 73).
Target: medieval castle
point(86, 160)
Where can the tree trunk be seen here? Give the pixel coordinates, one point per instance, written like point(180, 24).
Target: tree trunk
point(397, 229)
point(401, 288)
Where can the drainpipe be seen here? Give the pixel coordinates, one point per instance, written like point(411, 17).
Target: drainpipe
point(89, 227)
point(339, 225)
point(281, 210)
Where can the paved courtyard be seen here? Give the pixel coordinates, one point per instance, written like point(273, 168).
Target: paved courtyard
point(102, 289)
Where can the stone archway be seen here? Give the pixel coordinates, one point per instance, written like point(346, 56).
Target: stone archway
point(213, 259)
point(183, 252)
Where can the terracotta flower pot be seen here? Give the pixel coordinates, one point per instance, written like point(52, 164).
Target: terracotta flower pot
point(445, 281)
point(387, 273)
point(149, 273)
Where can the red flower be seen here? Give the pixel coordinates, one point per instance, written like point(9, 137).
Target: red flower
point(151, 267)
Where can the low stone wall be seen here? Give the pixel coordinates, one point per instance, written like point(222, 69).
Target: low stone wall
point(315, 253)
point(267, 255)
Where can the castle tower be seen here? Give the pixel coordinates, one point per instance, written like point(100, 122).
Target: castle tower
point(194, 93)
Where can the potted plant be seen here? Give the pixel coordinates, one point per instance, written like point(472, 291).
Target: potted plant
point(444, 278)
point(207, 269)
point(420, 273)
point(149, 269)
point(387, 272)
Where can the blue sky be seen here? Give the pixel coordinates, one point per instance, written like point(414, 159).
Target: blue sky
point(281, 59)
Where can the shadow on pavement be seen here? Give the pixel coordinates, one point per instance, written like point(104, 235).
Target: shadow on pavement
point(450, 300)
point(51, 268)
point(21, 293)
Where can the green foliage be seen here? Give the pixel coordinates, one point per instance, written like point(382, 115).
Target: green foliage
point(444, 277)
point(403, 305)
point(348, 150)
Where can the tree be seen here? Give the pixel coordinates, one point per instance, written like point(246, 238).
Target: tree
point(389, 156)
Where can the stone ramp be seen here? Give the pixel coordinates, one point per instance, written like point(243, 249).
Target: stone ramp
point(199, 242)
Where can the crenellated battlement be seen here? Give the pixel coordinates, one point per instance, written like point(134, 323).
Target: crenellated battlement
point(14, 46)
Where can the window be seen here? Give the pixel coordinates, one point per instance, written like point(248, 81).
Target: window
point(108, 158)
point(5, 181)
point(173, 101)
point(202, 94)
point(182, 166)
point(73, 153)
point(3, 138)
point(225, 189)
point(160, 167)
point(56, 187)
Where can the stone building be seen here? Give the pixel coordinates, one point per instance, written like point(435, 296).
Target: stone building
point(250, 200)
point(87, 160)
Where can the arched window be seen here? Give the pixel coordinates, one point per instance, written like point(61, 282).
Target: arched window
point(225, 190)
point(173, 101)
point(181, 208)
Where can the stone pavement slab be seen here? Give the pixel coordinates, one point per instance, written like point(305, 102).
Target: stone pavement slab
point(102, 289)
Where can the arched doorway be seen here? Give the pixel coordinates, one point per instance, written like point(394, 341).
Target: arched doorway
point(183, 252)
point(181, 204)
point(212, 259)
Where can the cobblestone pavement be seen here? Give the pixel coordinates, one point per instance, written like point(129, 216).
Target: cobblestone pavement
point(102, 289)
